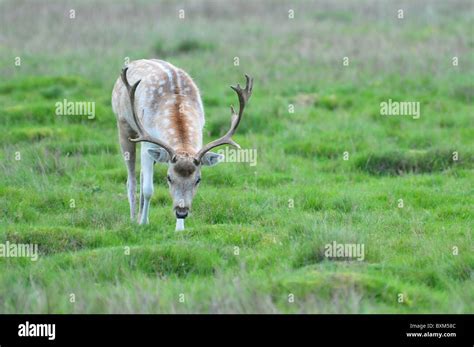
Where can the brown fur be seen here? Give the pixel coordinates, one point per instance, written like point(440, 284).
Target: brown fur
point(185, 168)
point(179, 115)
point(179, 123)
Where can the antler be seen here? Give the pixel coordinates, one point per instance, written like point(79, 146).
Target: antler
point(143, 135)
point(244, 96)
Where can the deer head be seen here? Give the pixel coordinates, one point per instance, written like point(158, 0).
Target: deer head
point(184, 168)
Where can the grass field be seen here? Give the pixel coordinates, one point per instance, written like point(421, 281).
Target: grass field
point(256, 238)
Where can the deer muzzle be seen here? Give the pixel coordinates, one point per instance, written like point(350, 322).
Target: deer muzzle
point(181, 212)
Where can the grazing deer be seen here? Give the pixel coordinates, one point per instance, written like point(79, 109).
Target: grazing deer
point(158, 104)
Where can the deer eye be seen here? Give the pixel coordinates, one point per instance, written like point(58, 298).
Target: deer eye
point(198, 180)
point(169, 179)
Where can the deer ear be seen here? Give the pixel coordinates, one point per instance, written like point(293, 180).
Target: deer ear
point(211, 159)
point(160, 155)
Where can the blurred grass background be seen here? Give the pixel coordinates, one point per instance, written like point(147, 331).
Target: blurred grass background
point(300, 157)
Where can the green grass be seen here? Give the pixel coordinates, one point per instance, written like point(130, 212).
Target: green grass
point(245, 250)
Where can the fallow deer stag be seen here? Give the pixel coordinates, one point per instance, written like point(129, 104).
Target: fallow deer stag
point(159, 105)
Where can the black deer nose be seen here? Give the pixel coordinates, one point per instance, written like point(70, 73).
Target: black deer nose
point(181, 212)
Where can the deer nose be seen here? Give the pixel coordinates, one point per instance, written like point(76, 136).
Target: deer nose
point(181, 212)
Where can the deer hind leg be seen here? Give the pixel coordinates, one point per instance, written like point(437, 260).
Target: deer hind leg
point(128, 152)
point(146, 183)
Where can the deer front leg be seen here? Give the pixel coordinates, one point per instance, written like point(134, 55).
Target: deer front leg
point(140, 207)
point(146, 184)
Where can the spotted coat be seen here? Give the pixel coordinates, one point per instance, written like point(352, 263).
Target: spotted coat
point(168, 104)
